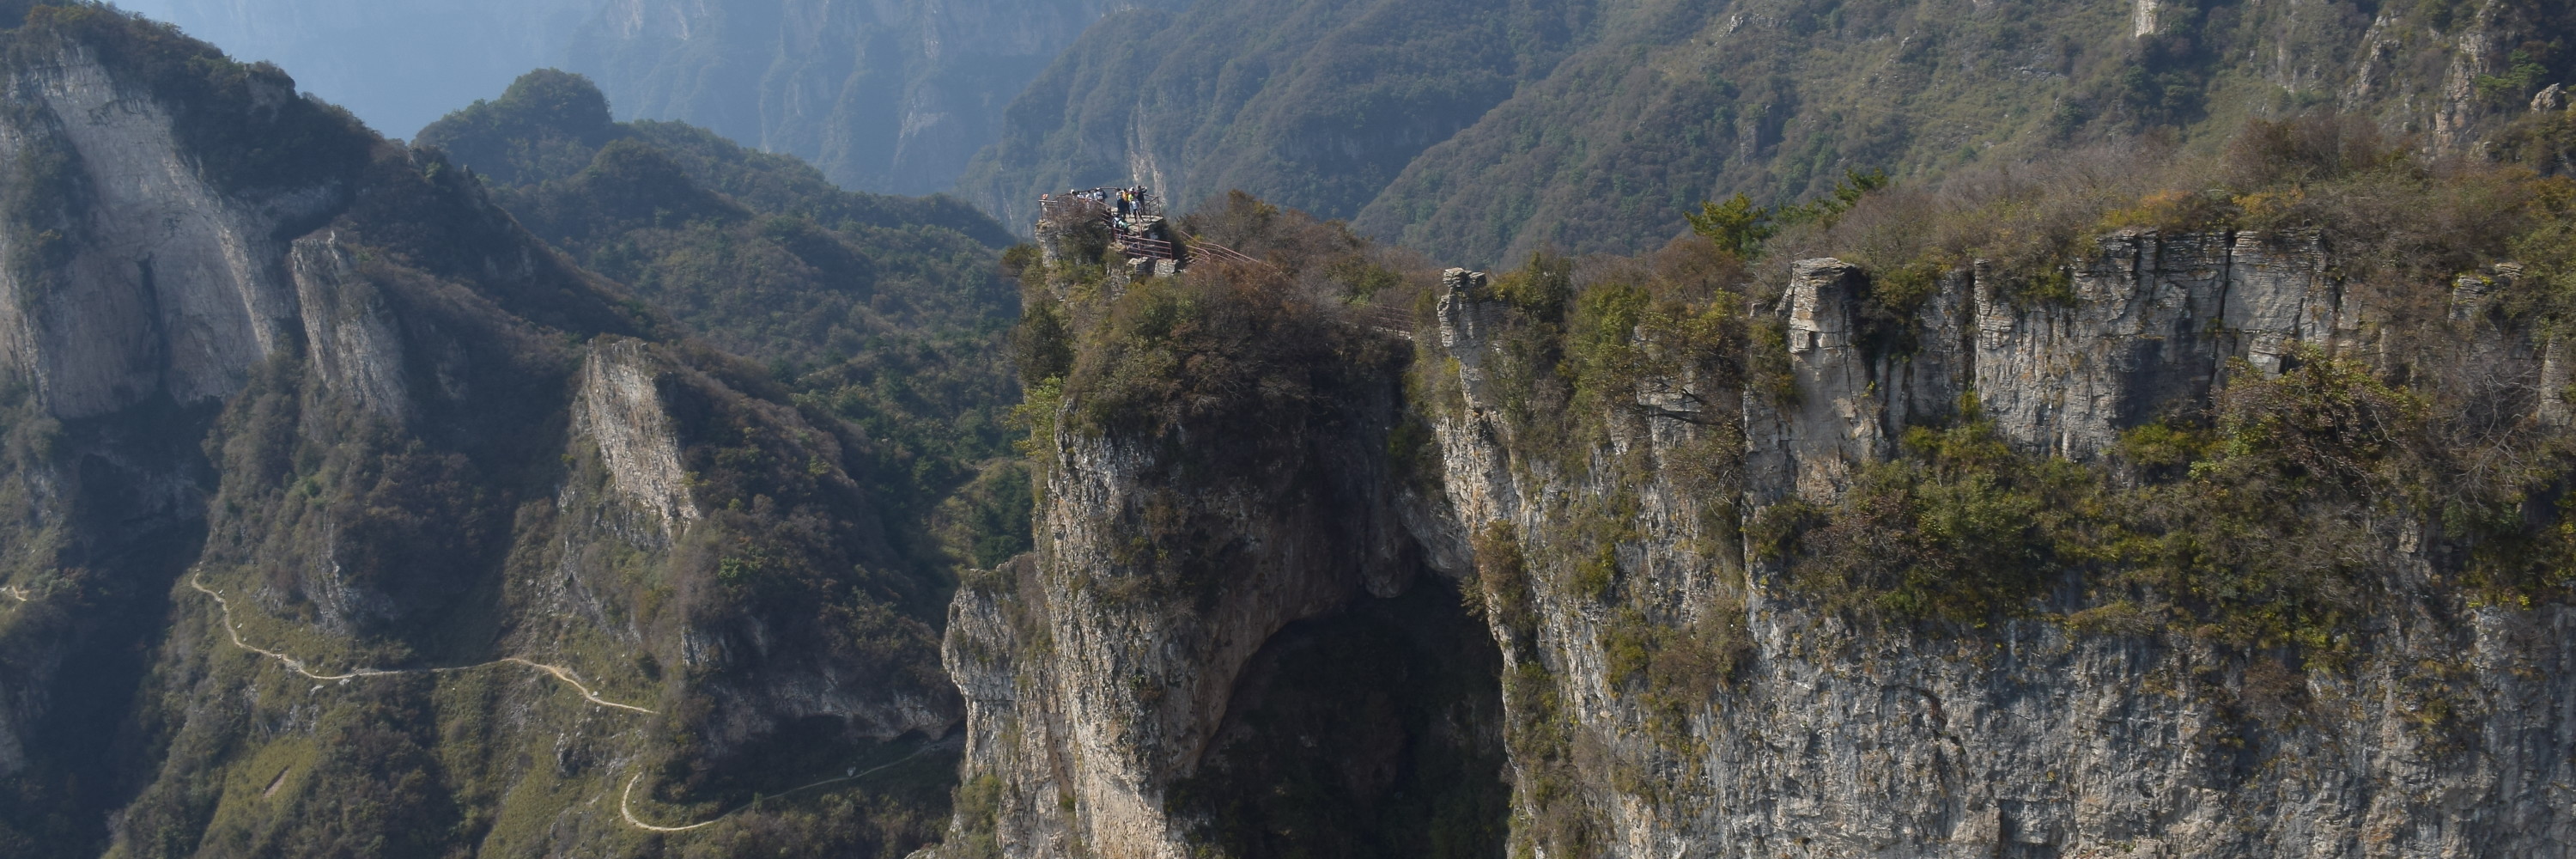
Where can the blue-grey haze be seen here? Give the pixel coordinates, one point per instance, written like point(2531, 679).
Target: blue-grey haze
point(882, 95)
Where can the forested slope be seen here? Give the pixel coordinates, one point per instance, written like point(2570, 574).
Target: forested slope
point(1315, 105)
point(887, 97)
point(885, 311)
point(1478, 131)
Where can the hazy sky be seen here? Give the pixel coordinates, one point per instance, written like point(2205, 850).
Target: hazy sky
point(399, 64)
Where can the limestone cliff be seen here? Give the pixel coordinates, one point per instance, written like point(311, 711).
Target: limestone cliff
point(1670, 686)
point(2031, 738)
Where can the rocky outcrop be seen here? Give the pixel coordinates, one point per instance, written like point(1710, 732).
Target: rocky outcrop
point(2152, 324)
point(168, 285)
point(1097, 672)
point(2029, 739)
point(1813, 736)
point(2149, 324)
point(349, 329)
point(621, 411)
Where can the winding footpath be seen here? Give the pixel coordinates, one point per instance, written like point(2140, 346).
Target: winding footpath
point(625, 801)
point(297, 665)
point(557, 672)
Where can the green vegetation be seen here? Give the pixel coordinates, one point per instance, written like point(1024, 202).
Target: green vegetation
point(1483, 132)
point(885, 312)
point(2242, 522)
point(462, 524)
point(1221, 348)
point(1603, 155)
point(1316, 106)
point(2251, 529)
point(2396, 221)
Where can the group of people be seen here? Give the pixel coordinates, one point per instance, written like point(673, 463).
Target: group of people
point(1131, 216)
point(1119, 201)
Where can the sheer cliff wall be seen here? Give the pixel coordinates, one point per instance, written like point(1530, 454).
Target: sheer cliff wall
point(2439, 727)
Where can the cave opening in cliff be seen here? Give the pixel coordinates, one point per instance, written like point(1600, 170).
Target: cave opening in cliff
point(1373, 731)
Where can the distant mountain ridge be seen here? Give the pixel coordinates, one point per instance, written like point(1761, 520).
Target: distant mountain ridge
point(891, 97)
point(398, 65)
point(1479, 131)
point(1314, 105)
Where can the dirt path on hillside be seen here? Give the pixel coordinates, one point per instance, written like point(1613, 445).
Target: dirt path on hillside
point(625, 800)
point(626, 809)
point(297, 665)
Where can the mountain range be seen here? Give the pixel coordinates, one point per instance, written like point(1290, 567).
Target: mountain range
point(1929, 429)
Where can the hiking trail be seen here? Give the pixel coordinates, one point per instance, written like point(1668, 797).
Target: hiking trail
point(625, 800)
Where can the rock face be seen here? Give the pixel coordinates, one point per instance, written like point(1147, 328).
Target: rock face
point(2027, 738)
point(2150, 327)
point(1094, 684)
point(162, 253)
point(253, 350)
point(620, 408)
point(2033, 740)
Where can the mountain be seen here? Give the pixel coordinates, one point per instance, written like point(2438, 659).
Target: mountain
point(397, 65)
point(2190, 477)
point(348, 517)
point(2133, 500)
point(1315, 105)
point(1479, 131)
point(882, 97)
point(891, 97)
point(887, 312)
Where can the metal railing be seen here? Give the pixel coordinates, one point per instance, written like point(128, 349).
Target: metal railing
point(1141, 246)
point(1396, 321)
point(1221, 252)
point(1061, 206)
